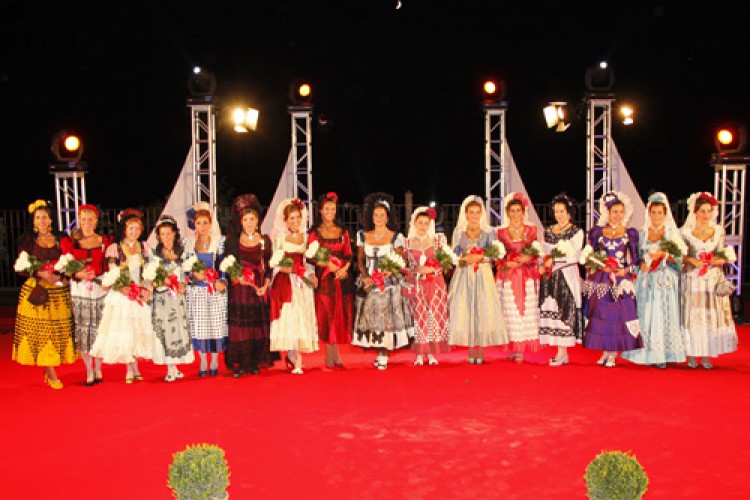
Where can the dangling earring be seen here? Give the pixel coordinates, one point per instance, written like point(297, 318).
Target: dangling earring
point(35, 229)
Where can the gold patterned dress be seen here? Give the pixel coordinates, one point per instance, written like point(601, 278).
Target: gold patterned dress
point(44, 333)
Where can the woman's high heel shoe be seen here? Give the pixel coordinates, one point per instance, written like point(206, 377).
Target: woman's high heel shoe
point(288, 362)
point(559, 362)
point(603, 359)
point(54, 384)
point(611, 361)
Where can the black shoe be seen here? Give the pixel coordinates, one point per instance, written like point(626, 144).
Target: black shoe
point(255, 370)
point(237, 373)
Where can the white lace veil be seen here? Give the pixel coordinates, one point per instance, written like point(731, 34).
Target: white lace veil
point(659, 197)
point(413, 230)
point(690, 220)
point(515, 195)
point(279, 229)
point(610, 199)
point(463, 222)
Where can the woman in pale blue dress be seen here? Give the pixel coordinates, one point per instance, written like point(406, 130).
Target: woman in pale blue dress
point(476, 319)
point(658, 289)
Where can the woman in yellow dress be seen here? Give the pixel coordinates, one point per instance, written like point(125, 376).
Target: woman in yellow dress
point(44, 322)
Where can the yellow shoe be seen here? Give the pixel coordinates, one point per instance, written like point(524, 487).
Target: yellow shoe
point(55, 384)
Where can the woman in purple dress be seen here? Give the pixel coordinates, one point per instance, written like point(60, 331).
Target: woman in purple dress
point(612, 318)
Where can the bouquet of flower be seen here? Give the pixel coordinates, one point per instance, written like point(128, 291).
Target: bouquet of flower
point(592, 260)
point(281, 259)
point(534, 249)
point(322, 255)
point(156, 273)
point(67, 264)
point(672, 248)
point(495, 250)
point(432, 263)
point(117, 277)
point(194, 265)
point(233, 268)
point(446, 257)
point(392, 262)
point(27, 263)
point(563, 249)
point(727, 253)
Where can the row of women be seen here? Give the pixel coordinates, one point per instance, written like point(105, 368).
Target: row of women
point(286, 300)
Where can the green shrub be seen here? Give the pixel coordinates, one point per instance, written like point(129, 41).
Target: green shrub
point(199, 472)
point(615, 475)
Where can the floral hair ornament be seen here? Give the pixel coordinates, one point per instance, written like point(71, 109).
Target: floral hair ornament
point(524, 200)
point(611, 199)
point(241, 204)
point(297, 203)
point(709, 198)
point(332, 196)
point(36, 205)
point(166, 219)
point(431, 213)
point(128, 213)
point(657, 197)
point(190, 217)
point(89, 207)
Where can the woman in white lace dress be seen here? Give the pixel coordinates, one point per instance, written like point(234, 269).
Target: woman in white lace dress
point(707, 317)
point(294, 327)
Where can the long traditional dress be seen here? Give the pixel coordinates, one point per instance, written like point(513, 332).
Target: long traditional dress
point(658, 300)
point(519, 291)
point(87, 296)
point(473, 300)
point(206, 306)
point(44, 333)
point(382, 319)
point(172, 343)
point(707, 318)
point(293, 323)
point(610, 311)
point(334, 299)
point(428, 301)
point(249, 323)
point(125, 332)
point(560, 299)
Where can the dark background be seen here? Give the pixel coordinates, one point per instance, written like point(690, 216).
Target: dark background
point(401, 88)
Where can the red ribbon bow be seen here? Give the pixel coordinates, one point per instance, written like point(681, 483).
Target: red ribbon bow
point(379, 279)
point(172, 283)
point(300, 270)
point(49, 266)
point(211, 276)
point(248, 275)
point(705, 257)
point(476, 251)
point(335, 261)
point(613, 264)
point(433, 264)
point(134, 292)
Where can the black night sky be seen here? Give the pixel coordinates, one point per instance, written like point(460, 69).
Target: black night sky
point(401, 88)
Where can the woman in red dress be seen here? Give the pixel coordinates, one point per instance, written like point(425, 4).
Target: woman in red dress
point(334, 296)
point(87, 296)
point(428, 295)
point(518, 277)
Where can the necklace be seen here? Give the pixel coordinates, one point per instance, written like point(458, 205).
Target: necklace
point(614, 229)
point(378, 237)
point(657, 229)
point(203, 244)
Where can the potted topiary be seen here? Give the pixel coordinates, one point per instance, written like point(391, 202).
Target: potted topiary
point(615, 475)
point(199, 472)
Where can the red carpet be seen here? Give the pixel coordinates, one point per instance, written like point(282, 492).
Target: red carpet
point(452, 431)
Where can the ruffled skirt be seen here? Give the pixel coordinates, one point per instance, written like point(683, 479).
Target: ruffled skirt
point(125, 332)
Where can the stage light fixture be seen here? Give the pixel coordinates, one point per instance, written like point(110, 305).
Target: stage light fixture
point(66, 147)
point(301, 93)
point(555, 114)
point(493, 90)
point(627, 114)
point(731, 139)
point(202, 83)
point(245, 119)
point(600, 78)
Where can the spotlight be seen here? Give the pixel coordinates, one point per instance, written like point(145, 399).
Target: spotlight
point(245, 119)
point(202, 83)
point(627, 114)
point(66, 147)
point(600, 78)
point(493, 91)
point(731, 139)
point(555, 114)
point(301, 93)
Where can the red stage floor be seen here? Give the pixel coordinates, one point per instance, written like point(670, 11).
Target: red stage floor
point(452, 431)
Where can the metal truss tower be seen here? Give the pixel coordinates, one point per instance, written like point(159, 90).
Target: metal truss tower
point(494, 159)
point(302, 156)
point(598, 152)
point(70, 189)
point(203, 127)
point(729, 190)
